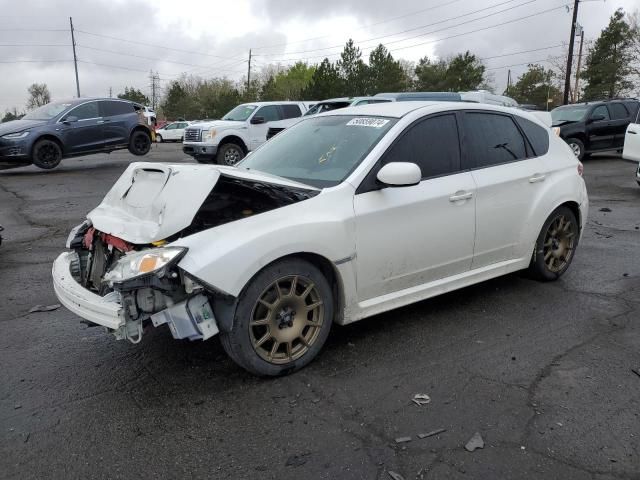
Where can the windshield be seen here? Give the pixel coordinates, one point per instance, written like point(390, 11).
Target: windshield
point(47, 112)
point(573, 113)
point(240, 113)
point(319, 151)
point(326, 107)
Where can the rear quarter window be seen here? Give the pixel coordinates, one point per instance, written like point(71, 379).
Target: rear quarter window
point(538, 136)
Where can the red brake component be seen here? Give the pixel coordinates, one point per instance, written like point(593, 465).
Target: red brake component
point(87, 241)
point(116, 242)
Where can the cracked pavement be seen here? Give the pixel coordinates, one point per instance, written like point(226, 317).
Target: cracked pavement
point(541, 370)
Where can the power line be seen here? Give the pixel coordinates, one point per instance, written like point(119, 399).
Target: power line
point(531, 62)
point(522, 51)
point(364, 26)
point(153, 45)
point(416, 28)
point(34, 44)
point(36, 61)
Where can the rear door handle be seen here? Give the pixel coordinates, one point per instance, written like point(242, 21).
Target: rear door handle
point(537, 177)
point(633, 132)
point(460, 195)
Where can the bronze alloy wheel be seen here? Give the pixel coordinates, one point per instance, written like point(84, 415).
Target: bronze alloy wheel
point(559, 243)
point(286, 320)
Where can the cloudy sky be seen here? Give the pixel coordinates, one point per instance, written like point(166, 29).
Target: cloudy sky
point(120, 41)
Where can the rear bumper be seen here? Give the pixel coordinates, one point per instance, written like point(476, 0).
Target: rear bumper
point(201, 150)
point(105, 311)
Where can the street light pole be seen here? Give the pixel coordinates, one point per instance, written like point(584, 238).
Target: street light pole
point(567, 79)
point(576, 91)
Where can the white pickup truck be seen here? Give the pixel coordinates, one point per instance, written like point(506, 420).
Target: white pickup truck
point(241, 130)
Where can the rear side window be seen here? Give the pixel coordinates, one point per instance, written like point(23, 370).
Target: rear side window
point(618, 111)
point(291, 111)
point(492, 139)
point(538, 136)
point(270, 113)
point(432, 144)
point(110, 109)
point(86, 111)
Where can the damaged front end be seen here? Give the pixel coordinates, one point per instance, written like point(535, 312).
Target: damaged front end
point(122, 270)
point(142, 282)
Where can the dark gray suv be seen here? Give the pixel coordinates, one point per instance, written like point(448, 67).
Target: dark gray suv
point(77, 127)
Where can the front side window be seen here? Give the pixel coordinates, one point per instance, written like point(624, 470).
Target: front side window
point(432, 144)
point(492, 139)
point(601, 111)
point(319, 151)
point(270, 113)
point(85, 111)
point(240, 113)
point(173, 126)
point(568, 114)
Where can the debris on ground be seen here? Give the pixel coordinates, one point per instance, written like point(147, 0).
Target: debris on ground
point(431, 434)
point(421, 399)
point(403, 439)
point(17, 406)
point(45, 308)
point(395, 476)
point(474, 442)
point(605, 209)
point(636, 371)
point(297, 460)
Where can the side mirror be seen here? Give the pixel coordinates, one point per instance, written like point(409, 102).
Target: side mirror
point(596, 118)
point(70, 119)
point(400, 174)
point(257, 120)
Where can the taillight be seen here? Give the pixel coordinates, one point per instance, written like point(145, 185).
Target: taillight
point(580, 168)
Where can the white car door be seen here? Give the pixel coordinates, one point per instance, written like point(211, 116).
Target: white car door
point(631, 150)
point(258, 131)
point(170, 132)
point(412, 235)
point(507, 178)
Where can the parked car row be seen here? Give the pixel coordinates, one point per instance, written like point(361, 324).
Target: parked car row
point(344, 215)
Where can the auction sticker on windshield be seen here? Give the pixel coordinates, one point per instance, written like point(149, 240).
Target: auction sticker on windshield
point(368, 122)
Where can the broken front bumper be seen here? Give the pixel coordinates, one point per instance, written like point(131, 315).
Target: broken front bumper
point(105, 311)
point(192, 318)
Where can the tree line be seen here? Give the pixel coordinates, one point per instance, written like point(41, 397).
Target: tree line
point(611, 69)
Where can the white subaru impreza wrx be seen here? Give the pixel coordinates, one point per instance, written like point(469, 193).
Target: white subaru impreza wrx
point(342, 216)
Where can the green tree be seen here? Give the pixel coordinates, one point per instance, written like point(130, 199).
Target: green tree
point(385, 73)
point(11, 115)
point(38, 95)
point(135, 95)
point(325, 83)
point(535, 86)
point(608, 66)
point(459, 73)
point(353, 71)
point(289, 83)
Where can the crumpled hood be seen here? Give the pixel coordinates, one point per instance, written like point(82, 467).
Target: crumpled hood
point(153, 201)
point(15, 126)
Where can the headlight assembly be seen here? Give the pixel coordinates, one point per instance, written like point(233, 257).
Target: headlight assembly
point(16, 136)
point(144, 262)
point(208, 134)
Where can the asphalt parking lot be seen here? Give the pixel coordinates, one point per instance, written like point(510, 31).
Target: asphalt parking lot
point(542, 371)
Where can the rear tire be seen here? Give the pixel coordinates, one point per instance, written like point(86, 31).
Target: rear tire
point(282, 320)
point(229, 154)
point(555, 246)
point(139, 143)
point(577, 146)
point(47, 154)
point(158, 138)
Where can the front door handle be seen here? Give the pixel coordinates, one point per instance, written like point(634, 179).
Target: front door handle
point(460, 195)
point(537, 177)
point(633, 132)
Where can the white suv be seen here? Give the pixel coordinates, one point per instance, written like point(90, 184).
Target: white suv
point(241, 130)
point(344, 215)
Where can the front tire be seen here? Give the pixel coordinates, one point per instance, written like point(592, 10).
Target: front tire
point(139, 143)
point(229, 154)
point(555, 246)
point(282, 319)
point(577, 146)
point(47, 154)
point(158, 138)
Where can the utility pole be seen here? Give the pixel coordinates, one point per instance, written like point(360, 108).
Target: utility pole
point(567, 79)
point(75, 59)
point(110, 92)
point(249, 72)
point(576, 90)
point(508, 81)
point(154, 80)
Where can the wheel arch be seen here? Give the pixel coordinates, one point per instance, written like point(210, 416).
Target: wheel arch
point(141, 128)
point(234, 139)
point(47, 136)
